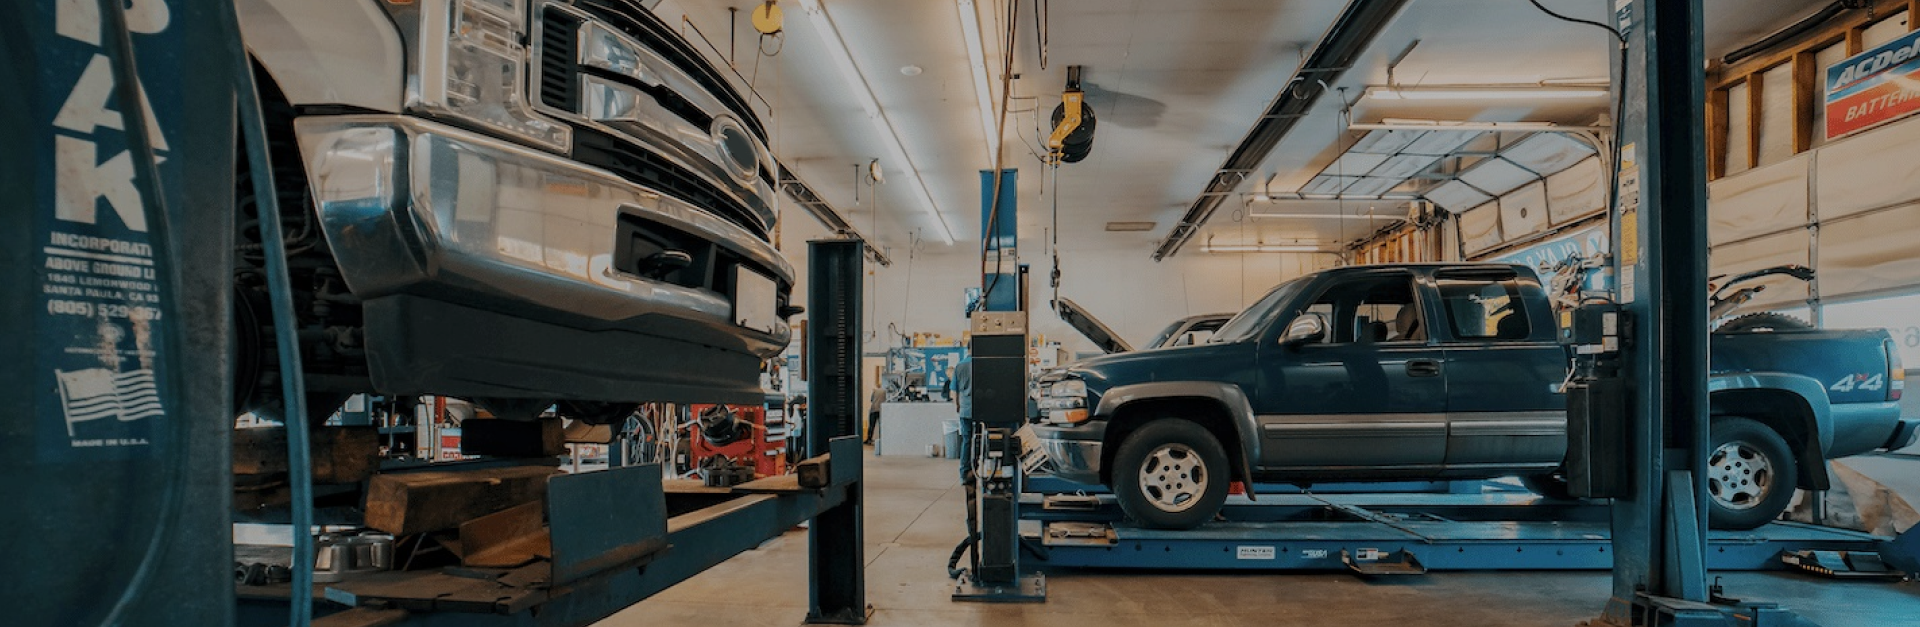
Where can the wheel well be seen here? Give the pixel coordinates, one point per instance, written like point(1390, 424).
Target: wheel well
point(1788, 415)
point(1206, 412)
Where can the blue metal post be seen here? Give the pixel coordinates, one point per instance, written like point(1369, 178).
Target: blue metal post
point(1661, 248)
point(999, 223)
point(838, 587)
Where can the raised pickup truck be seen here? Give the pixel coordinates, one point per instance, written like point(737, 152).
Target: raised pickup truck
point(1441, 371)
point(522, 202)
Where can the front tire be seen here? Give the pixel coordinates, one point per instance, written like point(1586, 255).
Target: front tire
point(1171, 474)
point(1751, 474)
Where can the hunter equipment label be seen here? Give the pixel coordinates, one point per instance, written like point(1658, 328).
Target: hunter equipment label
point(101, 386)
point(1874, 87)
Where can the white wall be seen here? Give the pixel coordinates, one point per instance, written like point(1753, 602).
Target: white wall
point(923, 291)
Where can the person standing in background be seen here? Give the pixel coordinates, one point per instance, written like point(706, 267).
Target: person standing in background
point(873, 412)
point(963, 402)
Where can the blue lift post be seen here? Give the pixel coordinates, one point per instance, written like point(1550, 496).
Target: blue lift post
point(1660, 220)
point(837, 565)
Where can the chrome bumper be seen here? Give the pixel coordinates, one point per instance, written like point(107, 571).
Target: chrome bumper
point(1075, 451)
point(410, 206)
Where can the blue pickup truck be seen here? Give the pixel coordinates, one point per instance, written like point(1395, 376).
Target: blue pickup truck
point(1437, 371)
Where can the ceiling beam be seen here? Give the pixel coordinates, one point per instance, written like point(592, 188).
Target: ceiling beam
point(803, 195)
point(1359, 23)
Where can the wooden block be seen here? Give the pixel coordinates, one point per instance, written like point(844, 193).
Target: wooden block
point(508, 538)
point(815, 472)
point(512, 438)
point(413, 502)
point(340, 454)
point(579, 432)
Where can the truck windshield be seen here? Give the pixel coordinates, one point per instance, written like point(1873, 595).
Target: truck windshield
point(1248, 322)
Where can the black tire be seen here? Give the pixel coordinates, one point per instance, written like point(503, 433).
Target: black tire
point(1193, 486)
point(1551, 486)
point(1764, 322)
point(1751, 474)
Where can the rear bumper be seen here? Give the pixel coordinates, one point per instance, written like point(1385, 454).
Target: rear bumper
point(1075, 451)
point(456, 240)
point(1904, 434)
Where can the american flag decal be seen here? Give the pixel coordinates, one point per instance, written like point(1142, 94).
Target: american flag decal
point(99, 393)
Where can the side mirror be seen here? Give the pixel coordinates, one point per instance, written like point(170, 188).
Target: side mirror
point(1306, 329)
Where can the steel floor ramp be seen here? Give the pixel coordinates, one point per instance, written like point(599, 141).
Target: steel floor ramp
point(1379, 534)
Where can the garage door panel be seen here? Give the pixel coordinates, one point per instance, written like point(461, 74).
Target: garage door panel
point(1787, 248)
point(1758, 201)
point(1870, 252)
point(1523, 212)
point(1869, 171)
point(1577, 192)
point(1480, 228)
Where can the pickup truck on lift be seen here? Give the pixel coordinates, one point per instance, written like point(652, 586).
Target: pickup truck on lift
point(1439, 371)
point(527, 203)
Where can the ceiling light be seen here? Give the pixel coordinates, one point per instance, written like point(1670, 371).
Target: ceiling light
point(843, 59)
point(1129, 226)
point(1488, 92)
point(982, 94)
point(1262, 248)
point(1319, 216)
point(910, 70)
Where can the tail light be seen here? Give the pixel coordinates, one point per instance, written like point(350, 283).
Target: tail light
point(1896, 372)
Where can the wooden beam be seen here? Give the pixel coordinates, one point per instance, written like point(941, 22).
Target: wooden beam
point(340, 454)
point(1855, 41)
point(1756, 91)
point(1913, 9)
point(413, 502)
point(1717, 132)
point(1806, 96)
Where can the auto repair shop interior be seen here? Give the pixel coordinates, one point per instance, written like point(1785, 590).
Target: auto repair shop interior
point(960, 312)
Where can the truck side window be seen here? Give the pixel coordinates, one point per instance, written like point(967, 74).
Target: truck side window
point(1370, 310)
point(1482, 306)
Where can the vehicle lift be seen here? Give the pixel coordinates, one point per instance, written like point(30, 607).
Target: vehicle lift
point(999, 400)
point(1638, 424)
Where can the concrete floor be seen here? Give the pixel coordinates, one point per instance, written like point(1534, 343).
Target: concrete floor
point(914, 518)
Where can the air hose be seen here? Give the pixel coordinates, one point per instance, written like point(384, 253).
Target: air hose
point(293, 384)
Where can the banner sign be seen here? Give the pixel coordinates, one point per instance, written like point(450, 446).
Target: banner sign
point(1874, 87)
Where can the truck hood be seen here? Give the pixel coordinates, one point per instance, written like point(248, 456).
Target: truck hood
point(1084, 322)
point(1205, 362)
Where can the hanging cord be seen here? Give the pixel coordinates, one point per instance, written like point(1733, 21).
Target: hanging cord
point(280, 295)
point(118, 44)
point(1053, 246)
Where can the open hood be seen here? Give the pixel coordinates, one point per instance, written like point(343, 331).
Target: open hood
point(1103, 337)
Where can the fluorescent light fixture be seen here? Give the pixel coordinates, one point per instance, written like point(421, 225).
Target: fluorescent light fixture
point(863, 92)
point(1129, 226)
point(1321, 216)
point(977, 64)
point(1262, 248)
point(1486, 92)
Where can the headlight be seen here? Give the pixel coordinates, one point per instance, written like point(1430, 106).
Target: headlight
point(1064, 401)
point(473, 68)
point(1069, 388)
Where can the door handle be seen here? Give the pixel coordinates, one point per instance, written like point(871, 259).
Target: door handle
point(1423, 368)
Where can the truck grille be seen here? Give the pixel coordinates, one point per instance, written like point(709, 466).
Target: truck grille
point(642, 166)
point(560, 43)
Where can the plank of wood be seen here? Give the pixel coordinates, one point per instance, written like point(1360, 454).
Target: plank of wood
point(1717, 124)
point(414, 502)
point(777, 484)
point(508, 538)
point(1806, 96)
point(363, 617)
point(340, 454)
point(1756, 101)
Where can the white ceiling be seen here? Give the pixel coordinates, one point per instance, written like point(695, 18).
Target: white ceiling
point(1175, 86)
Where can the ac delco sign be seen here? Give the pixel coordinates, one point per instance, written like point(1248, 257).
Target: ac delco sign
point(1874, 87)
